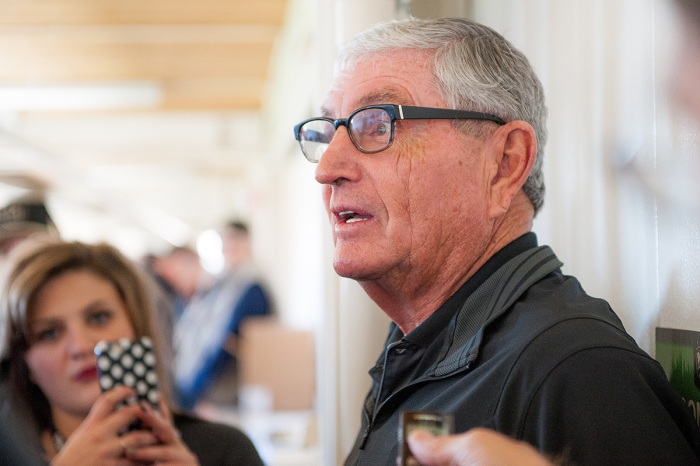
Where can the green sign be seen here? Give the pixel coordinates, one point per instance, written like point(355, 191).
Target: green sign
point(678, 352)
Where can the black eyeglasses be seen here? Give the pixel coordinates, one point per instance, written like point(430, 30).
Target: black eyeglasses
point(371, 129)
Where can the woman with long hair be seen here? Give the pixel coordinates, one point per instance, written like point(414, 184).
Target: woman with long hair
point(59, 300)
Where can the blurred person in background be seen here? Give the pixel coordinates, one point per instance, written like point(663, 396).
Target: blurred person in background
point(159, 274)
point(23, 218)
point(685, 81)
point(206, 366)
point(173, 278)
point(60, 299)
point(181, 274)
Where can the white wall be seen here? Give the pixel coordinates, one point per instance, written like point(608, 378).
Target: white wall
point(354, 328)
point(350, 328)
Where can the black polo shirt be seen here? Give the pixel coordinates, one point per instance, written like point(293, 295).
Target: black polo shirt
point(522, 349)
point(408, 357)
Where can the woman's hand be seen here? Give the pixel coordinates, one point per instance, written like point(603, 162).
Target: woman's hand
point(478, 446)
point(96, 441)
point(169, 448)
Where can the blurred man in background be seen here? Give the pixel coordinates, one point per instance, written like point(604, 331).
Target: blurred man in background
point(181, 275)
point(23, 218)
point(206, 365)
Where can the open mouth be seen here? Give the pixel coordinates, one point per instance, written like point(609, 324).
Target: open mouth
point(348, 216)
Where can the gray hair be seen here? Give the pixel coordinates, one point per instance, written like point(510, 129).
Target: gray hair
point(475, 68)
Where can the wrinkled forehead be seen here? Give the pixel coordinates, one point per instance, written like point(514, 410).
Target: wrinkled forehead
point(387, 57)
point(388, 77)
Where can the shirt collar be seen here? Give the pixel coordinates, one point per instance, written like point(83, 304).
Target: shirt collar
point(430, 329)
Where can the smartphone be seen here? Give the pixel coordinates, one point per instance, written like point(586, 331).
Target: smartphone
point(131, 363)
point(433, 422)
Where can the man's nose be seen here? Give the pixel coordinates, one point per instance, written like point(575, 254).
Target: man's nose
point(338, 162)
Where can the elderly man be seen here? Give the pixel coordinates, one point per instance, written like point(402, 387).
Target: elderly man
point(431, 210)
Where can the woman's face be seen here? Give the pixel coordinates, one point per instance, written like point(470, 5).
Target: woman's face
point(71, 313)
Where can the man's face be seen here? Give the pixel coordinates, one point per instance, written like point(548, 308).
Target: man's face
point(235, 247)
point(420, 203)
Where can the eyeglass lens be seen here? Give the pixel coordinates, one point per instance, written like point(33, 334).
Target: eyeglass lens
point(315, 136)
point(369, 129)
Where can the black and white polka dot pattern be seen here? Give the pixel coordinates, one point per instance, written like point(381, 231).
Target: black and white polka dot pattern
point(130, 363)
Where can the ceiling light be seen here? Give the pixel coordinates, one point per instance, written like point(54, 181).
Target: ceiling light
point(80, 97)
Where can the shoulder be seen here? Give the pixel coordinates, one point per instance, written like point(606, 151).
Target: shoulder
point(558, 308)
point(553, 319)
point(216, 444)
point(568, 348)
point(560, 327)
point(601, 404)
point(578, 382)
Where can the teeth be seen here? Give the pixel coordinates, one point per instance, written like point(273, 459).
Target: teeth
point(351, 217)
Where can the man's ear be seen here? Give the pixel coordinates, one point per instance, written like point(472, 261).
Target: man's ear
point(515, 150)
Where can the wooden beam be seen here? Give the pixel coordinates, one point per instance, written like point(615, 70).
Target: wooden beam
point(59, 62)
point(85, 12)
point(137, 34)
point(213, 94)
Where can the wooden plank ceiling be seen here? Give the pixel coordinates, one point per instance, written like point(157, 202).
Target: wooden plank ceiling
point(201, 54)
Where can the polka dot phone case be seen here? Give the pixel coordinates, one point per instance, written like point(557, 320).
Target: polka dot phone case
point(131, 363)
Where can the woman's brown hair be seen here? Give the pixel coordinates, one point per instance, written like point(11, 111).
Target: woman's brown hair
point(31, 267)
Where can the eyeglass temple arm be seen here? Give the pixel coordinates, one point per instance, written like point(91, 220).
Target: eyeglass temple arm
point(406, 112)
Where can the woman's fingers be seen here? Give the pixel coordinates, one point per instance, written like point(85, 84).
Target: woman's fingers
point(108, 401)
point(164, 410)
point(159, 425)
point(168, 448)
point(105, 420)
point(132, 441)
point(159, 453)
point(122, 419)
point(175, 453)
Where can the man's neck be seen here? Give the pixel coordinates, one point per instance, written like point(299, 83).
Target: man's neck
point(411, 298)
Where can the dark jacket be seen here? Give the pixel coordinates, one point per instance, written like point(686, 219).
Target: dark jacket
point(529, 354)
point(216, 444)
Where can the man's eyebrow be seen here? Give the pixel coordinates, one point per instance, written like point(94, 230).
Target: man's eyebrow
point(382, 96)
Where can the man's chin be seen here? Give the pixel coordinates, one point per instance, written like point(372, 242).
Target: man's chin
point(353, 269)
point(358, 270)
point(346, 272)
